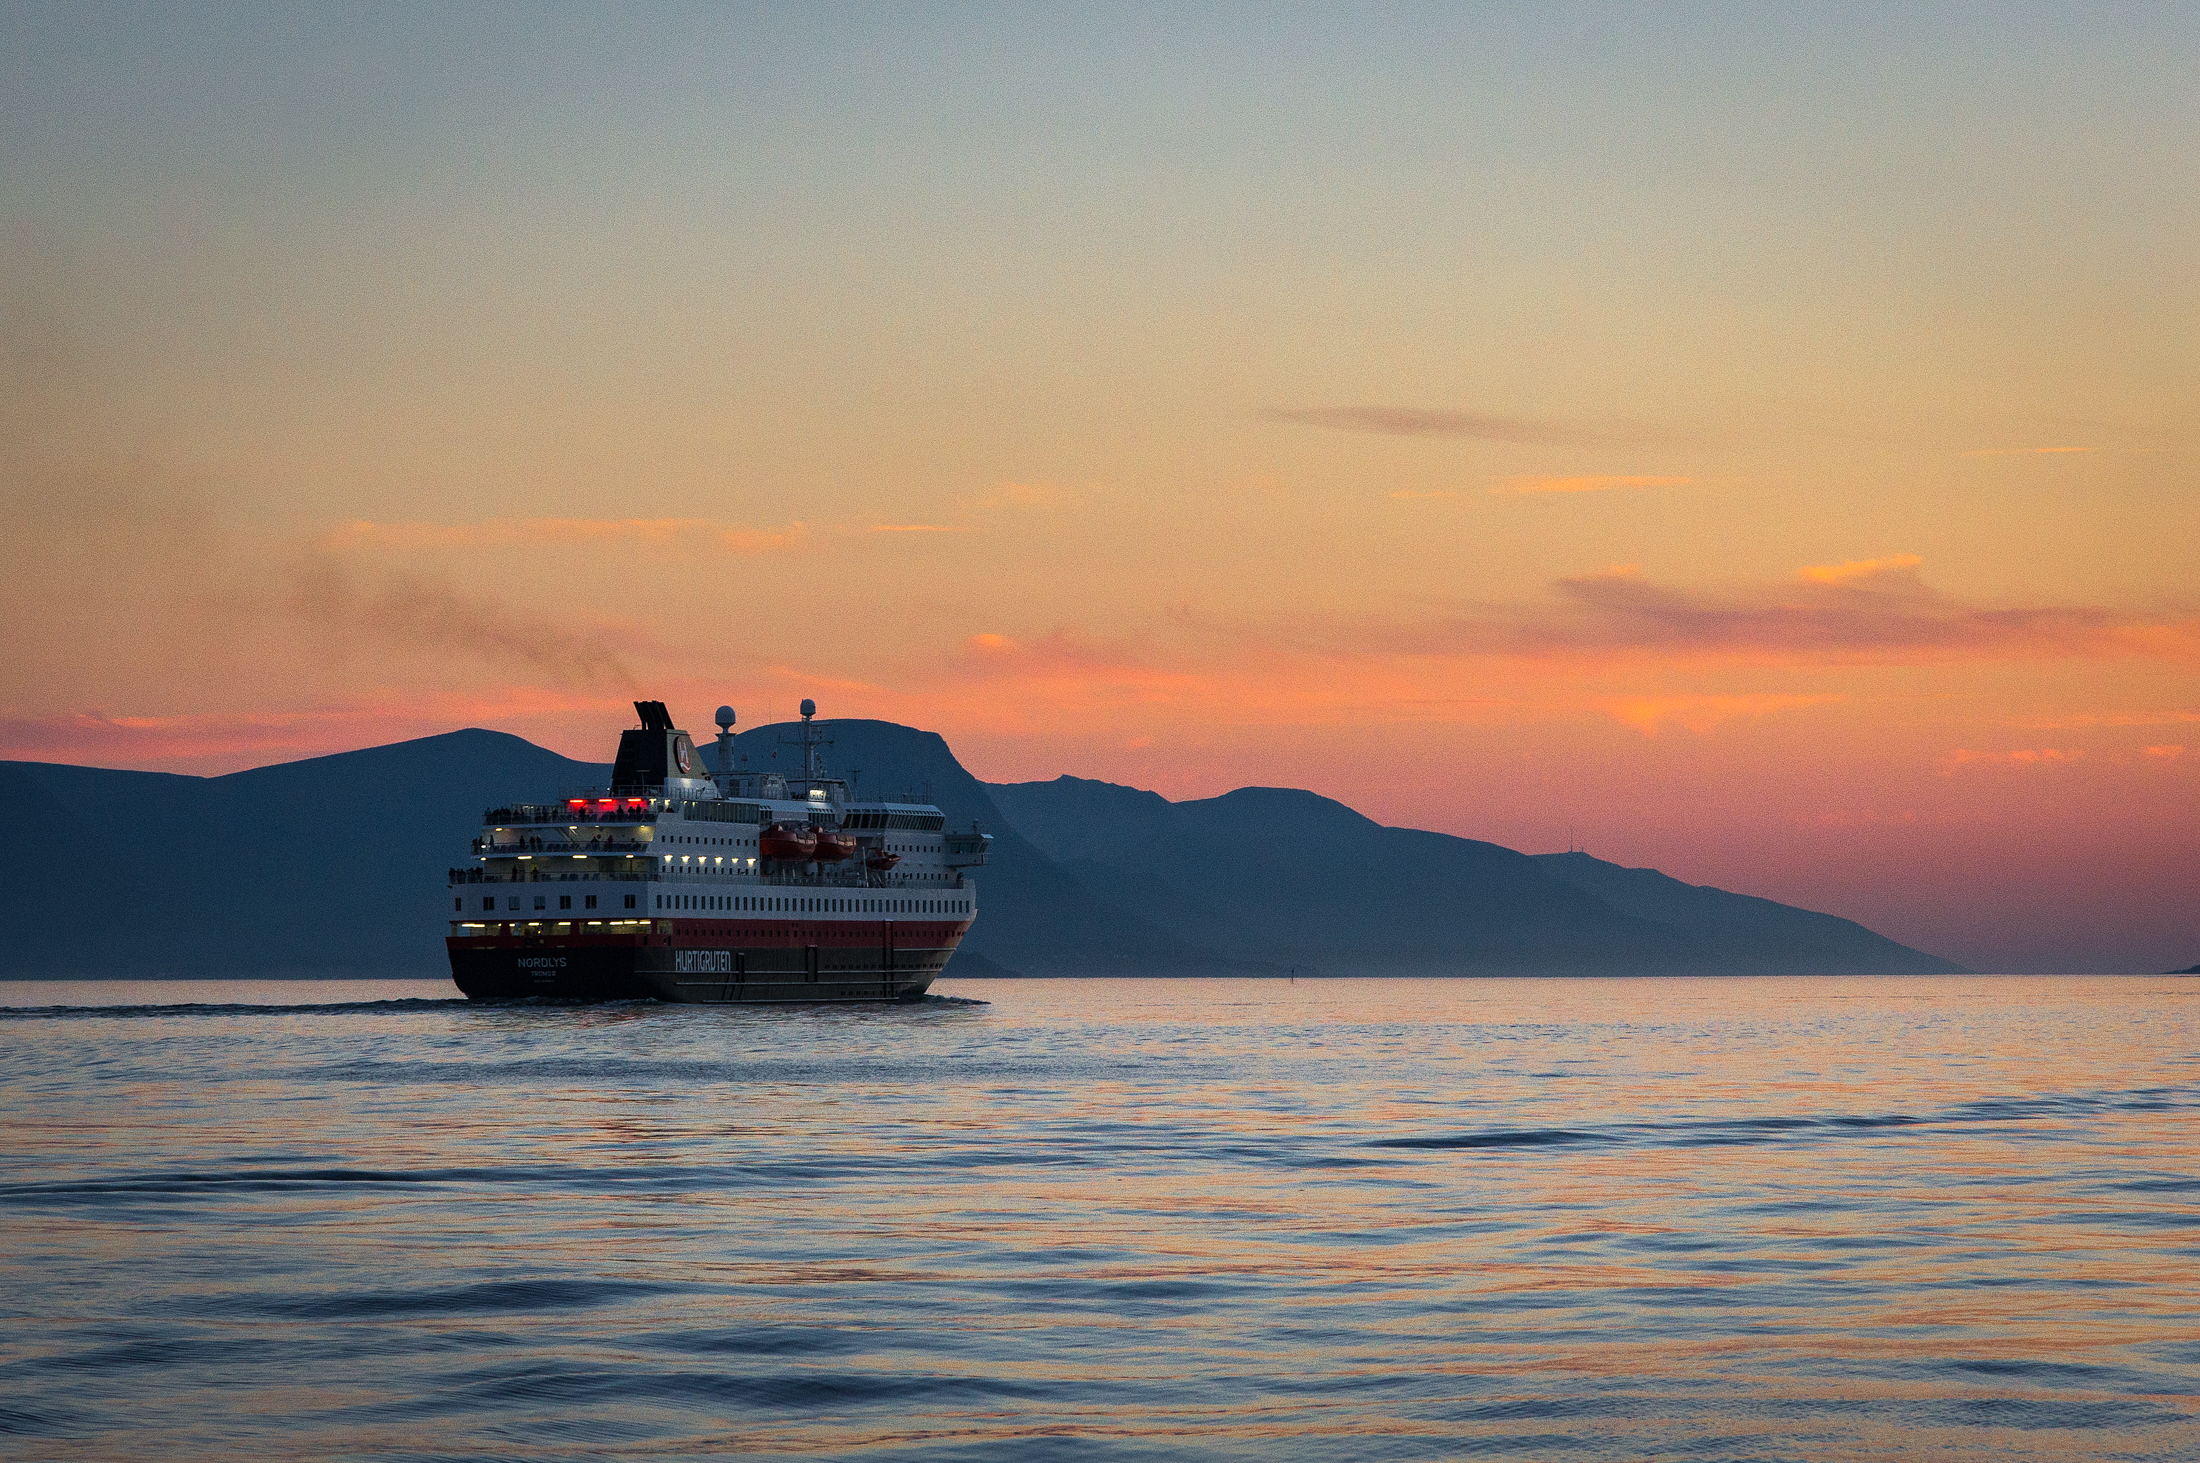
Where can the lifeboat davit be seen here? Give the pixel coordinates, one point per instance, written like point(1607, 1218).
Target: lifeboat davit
point(879, 863)
point(795, 842)
point(833, 847)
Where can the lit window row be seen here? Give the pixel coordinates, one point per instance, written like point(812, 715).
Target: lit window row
point(542, 901)
point(806, 904)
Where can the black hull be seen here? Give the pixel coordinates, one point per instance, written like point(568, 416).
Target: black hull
point(710, 963)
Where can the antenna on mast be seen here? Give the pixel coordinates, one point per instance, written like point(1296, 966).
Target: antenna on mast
point(809, 740)
point(725, 749)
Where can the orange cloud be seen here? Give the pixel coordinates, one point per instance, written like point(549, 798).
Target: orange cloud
point(1589, 484)
point(214, 742)
point(2025, 757)
point(1225, 678)
point(1509, 663)
point(2166, 754)
point(820, 682)
point(1871, 612)
point(761, 540)
point(917, 528)
point(1020, 495)
point(1647, 714)
point(2090, 719)
point(2027, 451)
point(502, 533)
point(1415, 421)
point(1856, 569)
point(1868, 818)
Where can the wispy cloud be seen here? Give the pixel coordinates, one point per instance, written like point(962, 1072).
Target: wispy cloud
point(2022, 757)
point(1648, 656)
point(1869, 612)
point(918, 528)
point(225, 740)
point(1416, 421)
point(1588, 484)
point(2075, 720)
point(1647, 714)
point(530, 533)
point(817, 681)
point(1019, 495)
point(1859, 818)
point(1855, 569)
point(2166, 753)
point(2026, 451)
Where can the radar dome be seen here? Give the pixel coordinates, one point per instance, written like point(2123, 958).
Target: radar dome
point(809, 707)
point(725, 717)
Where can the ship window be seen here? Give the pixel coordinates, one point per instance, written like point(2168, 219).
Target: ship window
point(565, 901)
point(488, 904)
point(541, 900)
point(589, 902)
point(458, 906)
point(512, 903)
point(629, 901)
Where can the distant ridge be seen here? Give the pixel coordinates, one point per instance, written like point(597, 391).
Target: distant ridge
point(330, 866)
point(2188, 970)
point(1303, 881)
point(336, 866)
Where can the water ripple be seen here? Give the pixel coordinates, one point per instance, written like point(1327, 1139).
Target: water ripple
point(1793, 1220)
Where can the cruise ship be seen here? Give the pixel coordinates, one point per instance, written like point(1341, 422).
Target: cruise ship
point(677, 883)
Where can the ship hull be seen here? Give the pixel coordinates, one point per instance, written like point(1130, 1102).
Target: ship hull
point(712, 962)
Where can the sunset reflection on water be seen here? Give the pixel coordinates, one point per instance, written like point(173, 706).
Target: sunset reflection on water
point(1812, 1219)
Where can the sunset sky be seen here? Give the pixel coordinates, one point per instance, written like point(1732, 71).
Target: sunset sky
point(1758, 443)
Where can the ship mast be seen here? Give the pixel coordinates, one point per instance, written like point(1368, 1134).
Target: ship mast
point(810, 740)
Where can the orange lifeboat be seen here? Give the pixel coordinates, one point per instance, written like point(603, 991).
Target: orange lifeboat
point(795, 842)
point(833, 847)
point(879, 863)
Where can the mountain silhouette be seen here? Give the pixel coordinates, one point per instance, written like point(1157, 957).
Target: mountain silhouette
point(1304, 881)
point(336, 866)
point(331, 866)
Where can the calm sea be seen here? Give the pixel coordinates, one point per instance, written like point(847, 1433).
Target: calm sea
point(1595, 1219)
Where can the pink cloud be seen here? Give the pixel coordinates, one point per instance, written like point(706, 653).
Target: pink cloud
point(2022, 757)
